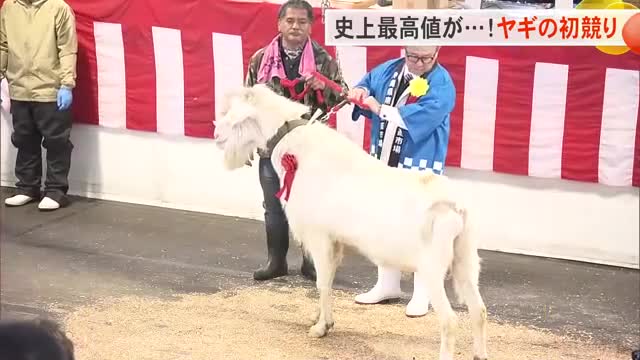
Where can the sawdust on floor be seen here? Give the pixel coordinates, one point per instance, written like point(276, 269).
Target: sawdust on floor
point(271, 323)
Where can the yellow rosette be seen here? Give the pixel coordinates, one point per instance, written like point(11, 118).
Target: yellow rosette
point(418, 86)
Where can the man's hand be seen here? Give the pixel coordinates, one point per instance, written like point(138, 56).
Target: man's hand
point(373, 104)
point(358, 94)
point(65, 98)
point(315, 84)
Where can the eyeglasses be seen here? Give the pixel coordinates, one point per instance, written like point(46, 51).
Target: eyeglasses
point(425, 59)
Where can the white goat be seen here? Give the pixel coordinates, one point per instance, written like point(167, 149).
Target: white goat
point(341, 196)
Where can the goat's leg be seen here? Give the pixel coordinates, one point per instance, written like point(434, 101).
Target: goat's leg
point(442, 307)
point(478, 312)
point(338, 254)
point(324, 254)
point(315, 316)
point(466, 274)
point(446, 227)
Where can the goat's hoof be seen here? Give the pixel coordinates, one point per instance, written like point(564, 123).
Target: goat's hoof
point(330, 325)
point(318, 330)
point(476, 357)
point(315, 317)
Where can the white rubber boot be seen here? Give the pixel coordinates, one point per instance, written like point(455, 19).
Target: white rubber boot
point(48, 204)
point(18, 200)
point(419, 304)
point(387, 287)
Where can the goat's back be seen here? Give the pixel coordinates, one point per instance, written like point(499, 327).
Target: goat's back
point(341, 190)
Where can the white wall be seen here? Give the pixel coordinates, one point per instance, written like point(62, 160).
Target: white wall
point(554, 218)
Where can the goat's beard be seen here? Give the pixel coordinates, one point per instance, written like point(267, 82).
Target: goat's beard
point(236, 156)
point(245, 138)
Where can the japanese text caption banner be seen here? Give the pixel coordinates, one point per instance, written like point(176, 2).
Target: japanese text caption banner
point(483, 27)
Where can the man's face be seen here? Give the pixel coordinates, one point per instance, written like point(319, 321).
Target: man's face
point(421, 59)
point(295, 26)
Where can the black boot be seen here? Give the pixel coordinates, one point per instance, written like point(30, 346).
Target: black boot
point(308, 269)
point(276, 225)
point(277, 246)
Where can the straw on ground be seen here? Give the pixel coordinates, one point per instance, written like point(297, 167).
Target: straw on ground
point(271, 322)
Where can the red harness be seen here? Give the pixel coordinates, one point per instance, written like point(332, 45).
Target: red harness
point(291, 86)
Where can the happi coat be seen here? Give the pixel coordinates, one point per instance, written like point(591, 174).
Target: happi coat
point(423, 144)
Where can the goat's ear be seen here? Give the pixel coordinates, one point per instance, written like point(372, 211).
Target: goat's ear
point(248, 96)
point(228, 98)
point(264, 90)
point(251, 93)
point(247, 126)
point(246, 136)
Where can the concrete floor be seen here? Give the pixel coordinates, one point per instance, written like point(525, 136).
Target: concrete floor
point(95, 248)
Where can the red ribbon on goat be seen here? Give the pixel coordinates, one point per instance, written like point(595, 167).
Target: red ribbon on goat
point(290, 165)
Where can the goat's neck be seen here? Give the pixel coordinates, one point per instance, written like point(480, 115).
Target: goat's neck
point(277, 115)
point(273, 126)
point(283, 130)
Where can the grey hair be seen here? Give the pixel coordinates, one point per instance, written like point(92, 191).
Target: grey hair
point(418, 46)
point(296, 4)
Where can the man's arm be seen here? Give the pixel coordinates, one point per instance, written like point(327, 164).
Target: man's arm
point(67, 42)
point(423, 117)
point(4, 48)
point(334, 73)
point(250, 79)
point(365, 83)
point(368, 84)
point(370, 80)
point(252, 69)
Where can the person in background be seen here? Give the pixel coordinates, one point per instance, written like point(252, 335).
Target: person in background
point(285, 65)
point(38, 49)
point(409, 102)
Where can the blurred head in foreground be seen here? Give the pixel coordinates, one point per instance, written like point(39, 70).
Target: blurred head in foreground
point(34, 340)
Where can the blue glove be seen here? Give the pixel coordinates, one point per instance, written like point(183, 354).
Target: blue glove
point(65, 98)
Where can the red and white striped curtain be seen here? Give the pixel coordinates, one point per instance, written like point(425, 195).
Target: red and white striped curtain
point(552, 112)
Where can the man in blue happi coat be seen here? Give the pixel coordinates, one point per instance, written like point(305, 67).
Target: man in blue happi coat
point(410, 100)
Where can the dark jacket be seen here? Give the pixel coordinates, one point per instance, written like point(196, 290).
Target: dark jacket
point(325, 64)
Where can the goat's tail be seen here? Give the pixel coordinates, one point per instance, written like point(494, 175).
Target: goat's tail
point(465, 265)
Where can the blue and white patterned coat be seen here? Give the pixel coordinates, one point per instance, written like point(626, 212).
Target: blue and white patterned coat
point(426, 136)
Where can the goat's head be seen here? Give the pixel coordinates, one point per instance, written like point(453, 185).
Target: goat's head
point(248, 118)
